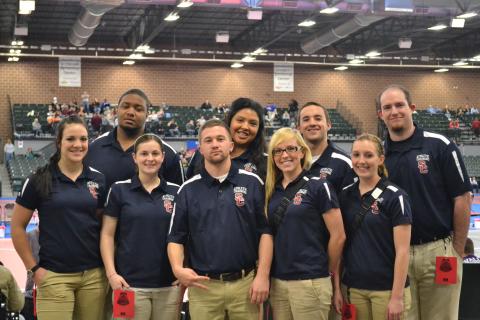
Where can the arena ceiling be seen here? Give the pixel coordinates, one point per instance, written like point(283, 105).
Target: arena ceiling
point(119, 27)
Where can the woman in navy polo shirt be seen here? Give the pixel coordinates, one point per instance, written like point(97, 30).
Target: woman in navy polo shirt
point(247, 127)
point(134, 234)
point(375, 263)
point(69, 197)
point(310, 237)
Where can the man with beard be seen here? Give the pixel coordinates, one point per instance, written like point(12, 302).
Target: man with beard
point(429, 167)
point(111, 153)
point(219, 216)
point(328, 161)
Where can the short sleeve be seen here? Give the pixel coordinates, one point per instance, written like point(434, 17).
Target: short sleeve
point(179, 229)
point(102, 192)
point(29, 197)
point(324, 195)
point(399, 209)
point(113, 204)
point(455, 172)
point(260, 217)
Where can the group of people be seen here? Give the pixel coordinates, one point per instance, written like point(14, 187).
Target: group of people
point(299, 223)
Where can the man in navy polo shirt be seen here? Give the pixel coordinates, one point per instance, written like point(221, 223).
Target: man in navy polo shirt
point(111, 153)
point(429, 167)
point(328, 161)
point(219, 216)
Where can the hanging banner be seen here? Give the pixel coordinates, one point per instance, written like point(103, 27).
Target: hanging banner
point(69, 72)
point(283, 77)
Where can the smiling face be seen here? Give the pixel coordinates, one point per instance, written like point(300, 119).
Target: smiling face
point(148, 157)
point(313, 124)
point(288, 157)
point(74, 143)
point(366, 159)
point(395, 111)
point(244, 127)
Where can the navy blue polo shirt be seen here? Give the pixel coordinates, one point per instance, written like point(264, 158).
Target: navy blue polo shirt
point(69, 226)
point(106, 155)
point(142, 230)
point(369, 259)
point(220, 223)
point(243, 161)
point(300, 250)
point(430, 168)
point(335, 166)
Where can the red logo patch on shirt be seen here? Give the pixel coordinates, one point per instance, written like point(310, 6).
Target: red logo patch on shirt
point(239, 199)
point(422, 163)
point(93, 188)
point(297, 200)
point(374, 208)
point(168, 203)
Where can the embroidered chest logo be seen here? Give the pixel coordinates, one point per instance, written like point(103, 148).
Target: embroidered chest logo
point(250, 167)
point(168, 202)
point(93, 188)
point(297, 200)
point(325, 172)
point(422, 161)
point(239, 195)
point(374, 208)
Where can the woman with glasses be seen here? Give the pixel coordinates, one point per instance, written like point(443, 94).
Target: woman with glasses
point(308, 229)
point(375, 263)
point(134, 234)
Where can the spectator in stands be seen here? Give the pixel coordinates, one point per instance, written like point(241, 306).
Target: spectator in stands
point(474, 110)
point(14, 298)
point(293, 109)
point(286, 119)
point(470, 256)
point(86, 102)
point(271, 112)
point(447, 113)
point(430, 168)
point(246, 123)
point(474, 183)
point(206, 105)
point(96, 122)
point(36, 127)
point(173, 128)
point(200, 122)
point(9, 150)
point(29, 154)
point(105, 104)
point(476, 126)
point(160, 114)
point(190, 128)
point(69, 196)
point(432, 110)
point(460, 111)
point(454, 129)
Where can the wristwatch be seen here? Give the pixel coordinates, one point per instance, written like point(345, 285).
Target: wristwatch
point(31, 272)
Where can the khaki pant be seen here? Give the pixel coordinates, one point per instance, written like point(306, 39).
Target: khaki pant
point(373, 305)
point(66, 296)
point(157, 304)
point(430, 300)
point(222, 296)
point(301, 299)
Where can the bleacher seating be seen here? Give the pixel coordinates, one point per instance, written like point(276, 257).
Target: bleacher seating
point(437, 122)
point(341, 129)
point(473, 165)
point(22, 123)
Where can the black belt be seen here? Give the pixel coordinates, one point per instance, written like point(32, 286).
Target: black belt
point(228, 276)
point(427, 240)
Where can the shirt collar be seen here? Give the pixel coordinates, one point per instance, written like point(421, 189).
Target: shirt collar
point(136, 184)
point(414, 141)
point(326, 155)
point(278, 183)
point(232, 176)
point(111, 140)
point(57, 174)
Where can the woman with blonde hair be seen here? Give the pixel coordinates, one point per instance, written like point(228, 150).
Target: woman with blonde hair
point(308, 229)
point(378, 221)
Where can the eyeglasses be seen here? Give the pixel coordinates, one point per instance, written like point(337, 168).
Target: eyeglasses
point(289, 150)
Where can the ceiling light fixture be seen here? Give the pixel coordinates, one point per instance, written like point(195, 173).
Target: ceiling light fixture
point(248, 59)
point(135, 56)
point(460, 63)
point(259, 51)
point(341, 68)
point(17, 43)
point(143, 48)
point(441, 70)
point(467, 15)
point(356, 61)
point(373, 53)
point(26, 6)
point(173, 16)
point(129, 62)
point(457, 23)
point(15, 51)
point(13, 59)
point(237, 65)
point(185, 4)
point(307, 23)
point(330, 10)
point(438, 27)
